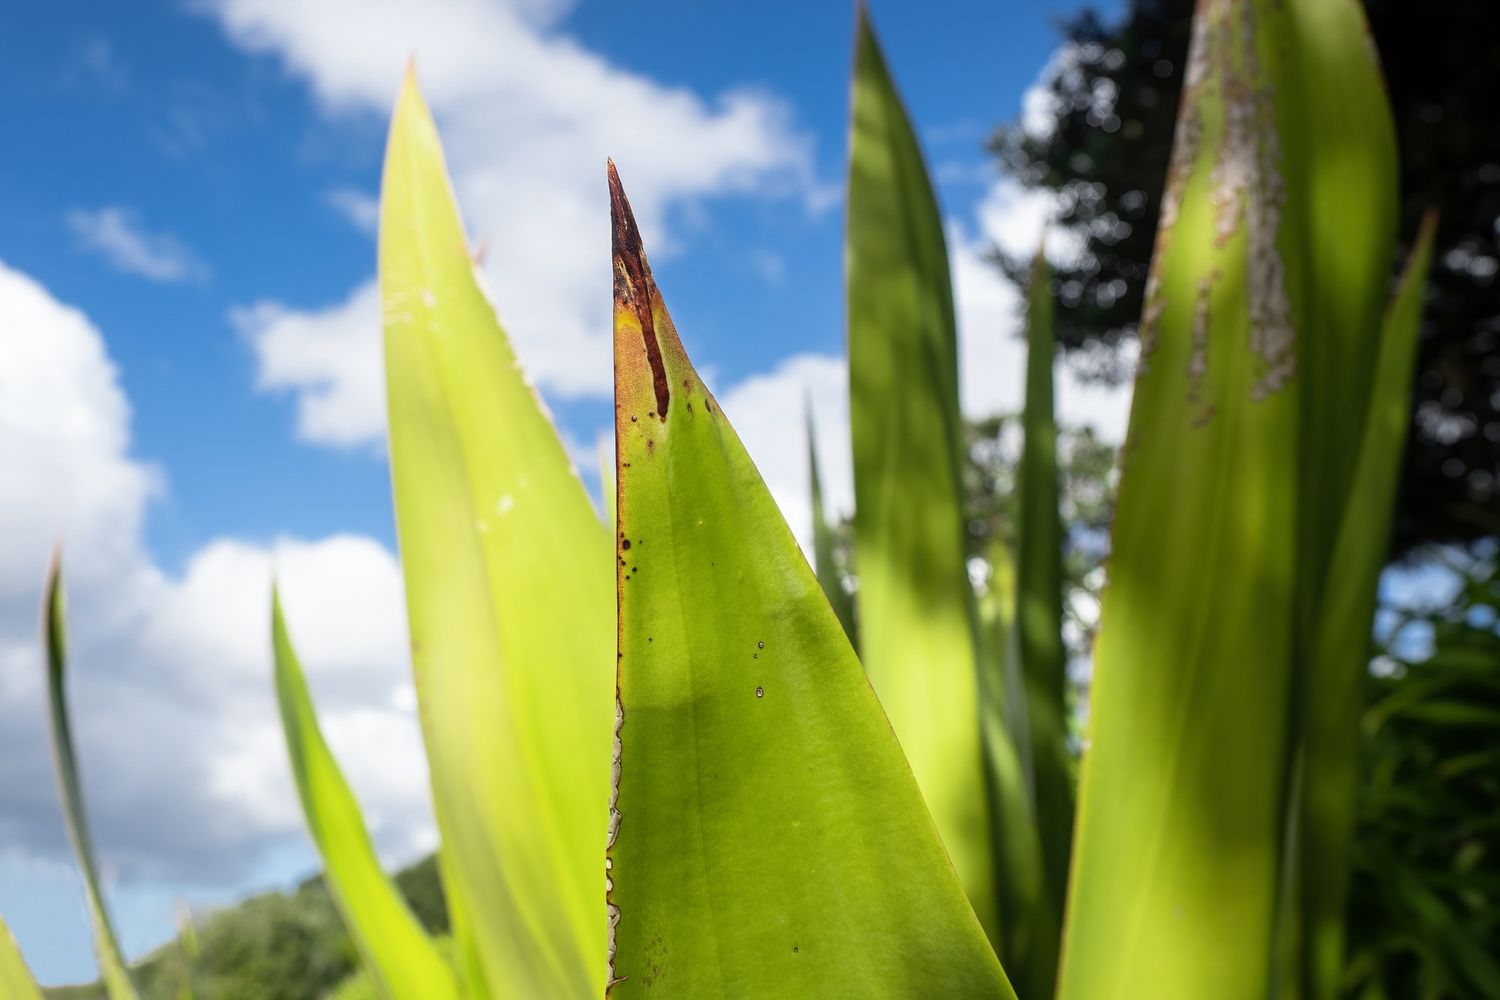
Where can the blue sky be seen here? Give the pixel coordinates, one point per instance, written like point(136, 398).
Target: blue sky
point(188, 380)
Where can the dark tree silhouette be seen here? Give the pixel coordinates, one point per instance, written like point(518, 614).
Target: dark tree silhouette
point(1113, 102)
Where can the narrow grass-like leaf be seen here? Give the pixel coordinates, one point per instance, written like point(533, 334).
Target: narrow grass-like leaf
point(768, 839)
point(509, 598)
point(824, 562)
point(1333, 683)
point(113, 970)
point(1029, 913)
point(917, 622)
point(1044, 662)
point(16, 982)
point(391, 943)
point(187, 948)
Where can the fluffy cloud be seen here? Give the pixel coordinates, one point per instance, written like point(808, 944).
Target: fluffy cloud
point(118, 235)
point(170, 679)
point(528, 118)
point(330, 359)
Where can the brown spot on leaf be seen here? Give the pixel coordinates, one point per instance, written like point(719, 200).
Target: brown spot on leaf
point(633, 283)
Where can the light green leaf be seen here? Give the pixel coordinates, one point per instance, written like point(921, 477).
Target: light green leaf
point(769, 839)
point(112, 967)
point(394, 947)
point(509, 598)
point(917, 622)
point(1039, 616)
point(824, 562)
point(15, 979)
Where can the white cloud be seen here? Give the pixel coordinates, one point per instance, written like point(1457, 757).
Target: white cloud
point(329, 358)
point(528, 117)
point(1039, 106)
point(170, 675)
point(64, 436)
point(119, 236)
point(360, 208)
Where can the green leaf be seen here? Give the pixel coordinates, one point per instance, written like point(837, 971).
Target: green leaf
point(1259, 352)
point(1044, 661)
point(824, 562)
point(917, 620)
point(1334, 680)
point(15, 979)
point(509, 599)
point(1029, 914)
point(112, 967)
point(768, 837)
point(1182, 791)
point(1342, 193)
point(392, 944)
point(187, 949)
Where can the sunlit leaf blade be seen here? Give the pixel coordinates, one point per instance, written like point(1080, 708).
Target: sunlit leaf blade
point(770, 839)
point(1180, 817)
point(509, 599)
point(1039, 543)
point(824, 562)
point(1029, 913)
point(392, 944)
point(1334, 680)
point(1342, 191)
point(113, 971)
point(916, 606)
point(15, 979)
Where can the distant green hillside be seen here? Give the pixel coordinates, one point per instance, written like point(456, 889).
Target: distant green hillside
point(276, 946)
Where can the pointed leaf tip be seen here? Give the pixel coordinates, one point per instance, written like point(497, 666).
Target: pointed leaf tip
point(634, 288)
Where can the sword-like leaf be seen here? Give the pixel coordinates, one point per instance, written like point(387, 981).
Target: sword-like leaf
point(1029, 913)
point(1039, 585)
point(1260, 316)
point(113, 970)
point(917, 620)
point(768, 838)
point(392, 944)
point(509, 598)
point(1334, 682)
point(16, 982)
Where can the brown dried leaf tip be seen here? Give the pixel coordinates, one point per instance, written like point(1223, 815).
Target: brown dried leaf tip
point(634, 289)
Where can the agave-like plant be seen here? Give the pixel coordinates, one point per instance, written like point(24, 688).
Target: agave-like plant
point(762, 832)
point(727, 810)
